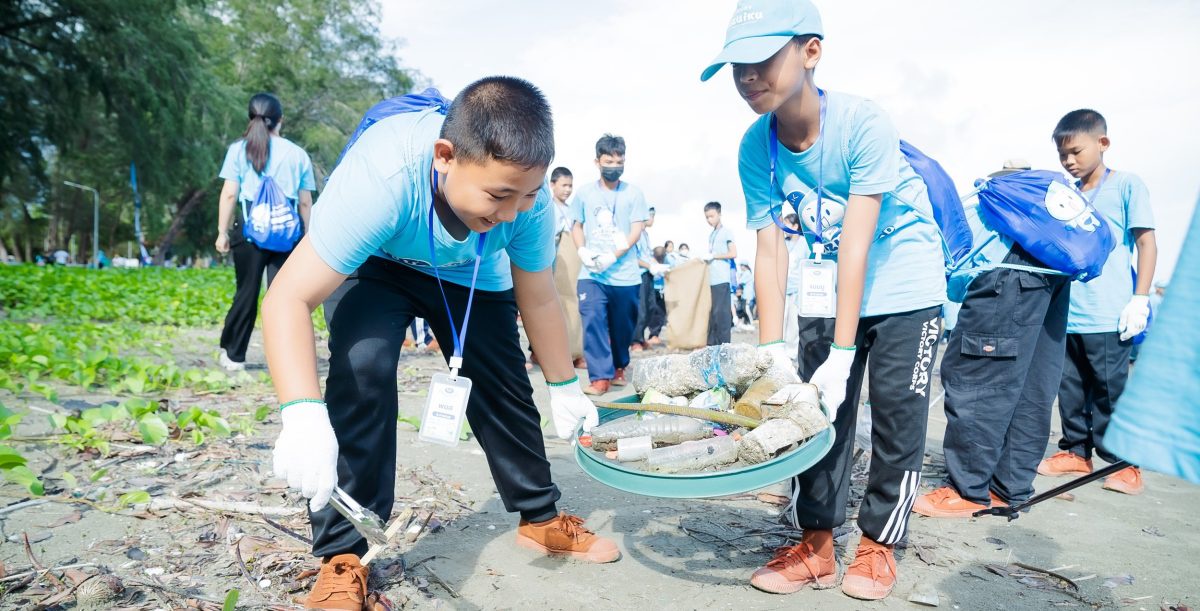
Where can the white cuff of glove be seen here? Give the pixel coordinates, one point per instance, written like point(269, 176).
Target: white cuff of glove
point(1134, 317)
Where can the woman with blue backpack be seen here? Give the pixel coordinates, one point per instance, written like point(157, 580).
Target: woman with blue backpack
point(264, 208)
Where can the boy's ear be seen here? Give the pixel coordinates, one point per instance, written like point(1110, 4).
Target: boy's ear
point(812, 53)
point(443, 155)
point(1104, 142)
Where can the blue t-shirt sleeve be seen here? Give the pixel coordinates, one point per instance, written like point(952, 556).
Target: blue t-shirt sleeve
point(532, 245)
point(575, 211)
point(307, 181)
point(874, 148)
point(357, 213)
point(639, 211)
point(754, 169)
point(1138, 214)
point(231, 169)
point(726, 237)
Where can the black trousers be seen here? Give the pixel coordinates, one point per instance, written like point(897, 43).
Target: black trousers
point(1001, 372)
point(720, 318)
point(1094, 375)
point(900, 349)
point(651, 310)
point(368, 317)
point(249, 262)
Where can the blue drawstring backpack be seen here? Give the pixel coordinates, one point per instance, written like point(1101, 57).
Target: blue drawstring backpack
point(948, 209)
point(1046, 215)
point(411, 102)
point(272, 221)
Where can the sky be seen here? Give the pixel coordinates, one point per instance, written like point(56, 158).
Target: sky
point(970, 84)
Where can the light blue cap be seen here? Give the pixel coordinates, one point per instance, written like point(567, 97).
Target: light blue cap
point(760, 28)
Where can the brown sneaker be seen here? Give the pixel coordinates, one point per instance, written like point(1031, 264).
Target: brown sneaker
point(872, 575)
point(341, 585)
point(1064, 463)
point(1127, 481)
point(812, 562)
point(945, 502)
point(565, 535)
point(597, 387)
point(619, 377)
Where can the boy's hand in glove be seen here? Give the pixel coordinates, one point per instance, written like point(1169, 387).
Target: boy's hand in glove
point(569, 405)
point(831, 377)
point(306, 452)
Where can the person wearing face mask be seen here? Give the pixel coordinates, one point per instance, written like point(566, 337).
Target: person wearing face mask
point(609, 217)
point(684, 253)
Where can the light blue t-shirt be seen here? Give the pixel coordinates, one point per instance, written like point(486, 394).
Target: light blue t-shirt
point(287, 163)
point(1096, 306)
point(906, 264)
point(719, 240)
point(606, 217)
point(645, 252)
point(377, 203)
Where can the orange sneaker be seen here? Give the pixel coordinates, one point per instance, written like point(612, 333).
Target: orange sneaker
point(433, 346)
point(564, 535)
point(872, 575)
point(945, 502)
point(1064, 463)
point(812, 562)
point(619, 378)
point(1126, 481)
point(597, 387)
point(341, 585)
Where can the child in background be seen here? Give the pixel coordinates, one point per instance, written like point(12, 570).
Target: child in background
point(609, 216)
point(836, 159)
point(721, 254)
point(1106, 313)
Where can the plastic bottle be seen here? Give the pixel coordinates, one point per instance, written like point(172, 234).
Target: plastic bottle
point(630, 449)
point(694, 455)
point(667, 429)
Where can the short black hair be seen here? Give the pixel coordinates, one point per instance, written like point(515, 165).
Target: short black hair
point(791, 219)
point(1078, 122)
point(609, 144)
point(713, 206)
point(559, 172)
point(668, 243)
point(683, 245)
point(650, 210)
point(503, 118)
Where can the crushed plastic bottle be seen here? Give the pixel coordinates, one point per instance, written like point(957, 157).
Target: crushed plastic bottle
point(663, 430)
point(694, 455)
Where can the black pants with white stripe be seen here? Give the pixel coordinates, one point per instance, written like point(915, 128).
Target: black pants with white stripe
point(900, 349)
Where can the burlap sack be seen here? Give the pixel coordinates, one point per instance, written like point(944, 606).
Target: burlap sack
point(688, 300)
point(566, 276)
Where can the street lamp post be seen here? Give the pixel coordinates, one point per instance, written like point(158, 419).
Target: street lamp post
point(95, 220)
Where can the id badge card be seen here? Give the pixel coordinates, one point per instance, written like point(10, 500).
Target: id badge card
point(445, 409)
point(818, 288)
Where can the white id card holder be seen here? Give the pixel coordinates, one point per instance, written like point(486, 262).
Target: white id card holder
point(445, 409)
point(818, 288)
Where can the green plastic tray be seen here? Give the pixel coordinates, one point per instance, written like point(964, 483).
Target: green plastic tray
point(699, 485)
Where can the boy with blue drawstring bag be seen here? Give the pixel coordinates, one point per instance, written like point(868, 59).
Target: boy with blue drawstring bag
point(1108, 314)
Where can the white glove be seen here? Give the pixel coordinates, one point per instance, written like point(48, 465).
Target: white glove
point(605, 260)
point(707, 257)
point(588, 256)
point(782, 368)
point(306, 452)
point(831, 377)
point(658, 269)
point(1134, 317)
point(569, 405)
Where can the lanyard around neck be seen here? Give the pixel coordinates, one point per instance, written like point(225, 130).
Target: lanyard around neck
point(1096, 192)
point(460, 339)
point(773, 147)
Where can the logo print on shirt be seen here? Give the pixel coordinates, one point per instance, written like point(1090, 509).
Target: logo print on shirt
point(930, 332)
point(832, 214)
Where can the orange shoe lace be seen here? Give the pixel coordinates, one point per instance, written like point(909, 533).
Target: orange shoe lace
point(338, 577)
point(801, 553)
point(874, 557)
point(572, 526)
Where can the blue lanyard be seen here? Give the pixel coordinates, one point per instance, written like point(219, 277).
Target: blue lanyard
point(1096, 193)
point(456, 361)
point(773, 147)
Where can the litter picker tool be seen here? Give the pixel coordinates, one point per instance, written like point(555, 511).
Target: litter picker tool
point(364, 520)
point(1013, 512)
